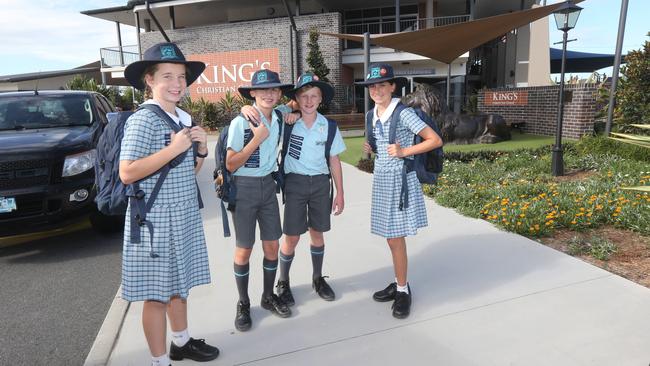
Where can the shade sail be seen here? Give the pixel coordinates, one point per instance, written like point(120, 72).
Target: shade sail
point(448, 42)
point(580, 61)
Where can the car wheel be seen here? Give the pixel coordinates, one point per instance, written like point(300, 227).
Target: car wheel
point(105, 223)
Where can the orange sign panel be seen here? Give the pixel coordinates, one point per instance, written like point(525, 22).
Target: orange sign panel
point(226, 71)
point(506, 97)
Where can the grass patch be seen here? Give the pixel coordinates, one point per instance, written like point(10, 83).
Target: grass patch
point(353, 149)
point(597, 247)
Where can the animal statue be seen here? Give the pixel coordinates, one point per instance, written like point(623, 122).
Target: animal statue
point(459, 128)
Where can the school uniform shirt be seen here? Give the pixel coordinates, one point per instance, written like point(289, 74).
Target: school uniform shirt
point(306, 150)
point(178, 237)
point(386, 219)
point(181, 117)
point(263, 160)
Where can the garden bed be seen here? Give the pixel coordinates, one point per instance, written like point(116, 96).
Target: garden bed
point(585, 213)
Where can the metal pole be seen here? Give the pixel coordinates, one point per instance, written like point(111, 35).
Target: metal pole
point(293, 70)
point(448, 84)
point(137, 30)
point(617, 65)
point(366, 66)
point(172, 18)
point(557, 162)
point(119, 43)
point(397, 27)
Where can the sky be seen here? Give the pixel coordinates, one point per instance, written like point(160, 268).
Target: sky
point(44, 35)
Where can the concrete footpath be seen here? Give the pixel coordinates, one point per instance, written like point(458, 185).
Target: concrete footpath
point(481, 297)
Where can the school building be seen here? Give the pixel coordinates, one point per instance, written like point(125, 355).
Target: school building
point(234, 38)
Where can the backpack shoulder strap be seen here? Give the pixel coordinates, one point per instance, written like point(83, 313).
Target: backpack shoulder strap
point(285, 145)
point(279, 114)
point(331, 133)
point(162, 114)
point(370, 134)
point(394, 119)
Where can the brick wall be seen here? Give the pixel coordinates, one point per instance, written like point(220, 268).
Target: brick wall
point(540, 113)
point(272, 33)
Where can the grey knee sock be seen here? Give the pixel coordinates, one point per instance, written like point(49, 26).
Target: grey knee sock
point(317, 260)
point(270, 268)
point(241, 278)
point(285, 265)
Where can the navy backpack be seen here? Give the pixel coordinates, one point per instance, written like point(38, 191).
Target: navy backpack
point(113, 196)
point(427, 165)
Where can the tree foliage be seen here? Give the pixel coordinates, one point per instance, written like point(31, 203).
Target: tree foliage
point(633, 93)
point(315, 57)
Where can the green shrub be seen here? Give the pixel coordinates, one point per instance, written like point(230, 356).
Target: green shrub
point(515, 191)
point(367, 165)
point(600, 145)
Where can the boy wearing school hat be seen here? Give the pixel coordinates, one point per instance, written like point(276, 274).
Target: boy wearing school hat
point(307, 184)
point(252, 158)
point(167, 261)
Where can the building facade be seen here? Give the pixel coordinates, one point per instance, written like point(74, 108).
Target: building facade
point(237, 37)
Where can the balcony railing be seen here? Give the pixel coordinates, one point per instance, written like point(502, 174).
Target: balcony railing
point(406, 25)
point(114, 57)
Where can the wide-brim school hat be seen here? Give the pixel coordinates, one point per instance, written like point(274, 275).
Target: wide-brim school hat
point(378, 73)
point(157, 54)
point(309, 78)
point(263, 79)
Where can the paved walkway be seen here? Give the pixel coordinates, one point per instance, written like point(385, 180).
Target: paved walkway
point(481, 297)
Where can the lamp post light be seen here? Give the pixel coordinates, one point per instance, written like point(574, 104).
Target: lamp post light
point(566, 17)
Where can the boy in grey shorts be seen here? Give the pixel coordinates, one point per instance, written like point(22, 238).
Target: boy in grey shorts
point(252, 157)
point(307, 184)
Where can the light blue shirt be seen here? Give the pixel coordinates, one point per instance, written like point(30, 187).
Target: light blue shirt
point(306, 150)
point(263, 160)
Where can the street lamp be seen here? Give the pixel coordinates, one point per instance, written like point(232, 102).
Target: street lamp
point(566, 17)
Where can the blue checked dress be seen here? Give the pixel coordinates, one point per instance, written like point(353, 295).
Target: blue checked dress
point(178, 229)
point(386, 219)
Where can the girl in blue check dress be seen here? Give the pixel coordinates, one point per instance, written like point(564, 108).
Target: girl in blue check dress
point(161, 270)
point(387, 218)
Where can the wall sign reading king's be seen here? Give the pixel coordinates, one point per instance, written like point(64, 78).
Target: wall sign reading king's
point(506, 97)
point(226, 71)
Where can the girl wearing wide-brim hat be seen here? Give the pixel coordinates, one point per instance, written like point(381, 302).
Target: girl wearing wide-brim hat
point(387, 218)
point(162, 273)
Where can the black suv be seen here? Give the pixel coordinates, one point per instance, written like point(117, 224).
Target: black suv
point(47, 153)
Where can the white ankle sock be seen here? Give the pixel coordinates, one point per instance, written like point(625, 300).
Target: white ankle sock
point(180, 338)
point(403, 288)
point(161, 360)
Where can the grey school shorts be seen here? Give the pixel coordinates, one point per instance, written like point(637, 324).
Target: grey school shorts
point(256, 202)
point(307, 203)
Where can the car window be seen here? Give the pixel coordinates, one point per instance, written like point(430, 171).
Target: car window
point(44, 111)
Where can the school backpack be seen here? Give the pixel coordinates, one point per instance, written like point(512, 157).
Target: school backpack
point(112, 195)
point(223, 179)
point(427, 165)
point(331, 133)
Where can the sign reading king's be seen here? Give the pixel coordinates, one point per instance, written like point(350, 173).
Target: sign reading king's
point(506, 97)
point(226, 71)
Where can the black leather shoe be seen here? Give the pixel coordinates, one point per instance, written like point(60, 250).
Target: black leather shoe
point(284, 293)
point(386, 294)
point(243, 320)
point(323, 289)
point(402, 304)
point(276, 306)
point(194, 349)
